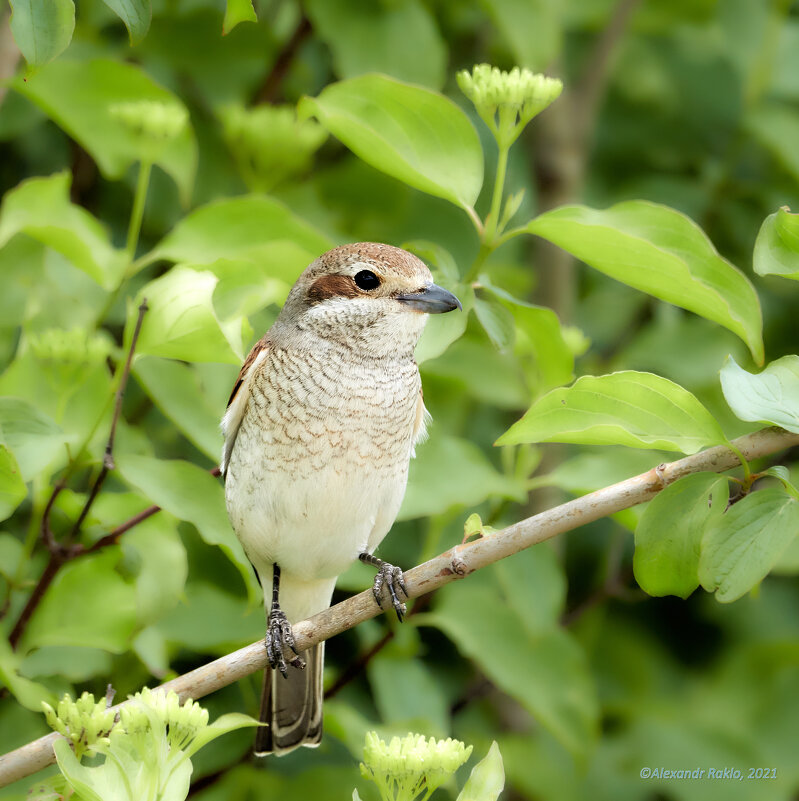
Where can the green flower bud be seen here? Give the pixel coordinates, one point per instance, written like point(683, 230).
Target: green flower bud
point(85, 723)
point(269, 143)
point(153, 123)
point(507, 101)
point(73, 347)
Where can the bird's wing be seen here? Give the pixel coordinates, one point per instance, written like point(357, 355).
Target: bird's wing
point(237, 403)
point(423, 417)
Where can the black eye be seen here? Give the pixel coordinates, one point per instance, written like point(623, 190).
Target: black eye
point(366, 279)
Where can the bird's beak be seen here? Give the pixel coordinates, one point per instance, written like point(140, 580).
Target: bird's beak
point(433, 299)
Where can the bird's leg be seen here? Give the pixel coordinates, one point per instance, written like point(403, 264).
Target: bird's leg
point(390, 576)
point(278, 632)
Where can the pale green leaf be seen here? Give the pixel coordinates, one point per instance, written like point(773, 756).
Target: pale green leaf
point(237, 11)
point(42, 29)
point(639, 410)
point(87, 604)
point(222, 725)
point(742, 546)
point(136, 14)
point(78, 95)
point(181, 321)
point(418, 136)
point(497, 321)
point(33, 438)
point(771, 396)
point(662, 252)
point(192, 494)
point(398, 39)
point(487, 779)
point(777, 245)
point(12, 486)
point(251, 227)
point(40, 208)
point(29, 694)
point(669, 534)
point(530, 27)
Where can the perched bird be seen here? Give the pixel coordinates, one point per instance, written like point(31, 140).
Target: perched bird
point(319, 430)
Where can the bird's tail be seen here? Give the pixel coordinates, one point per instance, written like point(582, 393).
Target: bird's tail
point(292, 707)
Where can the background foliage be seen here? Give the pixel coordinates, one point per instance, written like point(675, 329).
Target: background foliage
point(556, 653)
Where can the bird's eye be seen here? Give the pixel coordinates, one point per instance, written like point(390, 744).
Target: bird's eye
point(366, 279)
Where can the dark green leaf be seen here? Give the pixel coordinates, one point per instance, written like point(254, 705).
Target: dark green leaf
point(530, 27)
point(418, 136)
point(136, 15)
point(42, 30)
point(669, 534)
point(662, 252)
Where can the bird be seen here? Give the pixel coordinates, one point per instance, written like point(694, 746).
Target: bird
point(318, 434)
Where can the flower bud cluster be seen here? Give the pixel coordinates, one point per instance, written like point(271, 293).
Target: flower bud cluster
point(154, 122)
point(515, 97)
point(85, 723)
point(75, 346)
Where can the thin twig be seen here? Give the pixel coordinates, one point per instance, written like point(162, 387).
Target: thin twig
point(269, 89)
point(453, 564)
point(108, 456)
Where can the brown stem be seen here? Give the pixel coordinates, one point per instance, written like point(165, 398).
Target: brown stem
point(39, 590)
point(271, 85)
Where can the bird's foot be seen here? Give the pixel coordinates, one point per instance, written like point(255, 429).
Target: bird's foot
point(279, 638)
point(388, 576)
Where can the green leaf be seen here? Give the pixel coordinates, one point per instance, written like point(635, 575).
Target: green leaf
point(530, 27)
point(433, 486)
point(639, 410)
point(742, 546)
point(40, 208)
point(776, 126)
point(546, 672)
point(42, 30)
point(181, 321)
point(136, 14)
point(176, 390)
point(34, 439)
point(87, 604)
point(190, 493)
point(497, 321)
point(669, 534)
point(771, 396)
point(12, 486)
point(487, 779)
point(78, 95)
point(28, 693)
point(237, 11)
point(777, 245)
point(222, 725)
point(398, 39)
point(662, 252)
point(418, 136)
point(251, 227)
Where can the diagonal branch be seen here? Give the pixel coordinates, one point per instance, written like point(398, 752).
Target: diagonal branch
point(453, 564)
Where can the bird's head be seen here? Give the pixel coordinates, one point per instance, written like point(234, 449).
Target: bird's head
point(367, 294)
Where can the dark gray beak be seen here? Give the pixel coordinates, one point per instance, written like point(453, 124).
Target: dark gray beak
point(433, 299)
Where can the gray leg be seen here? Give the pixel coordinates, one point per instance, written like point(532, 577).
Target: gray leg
point(279, 636)
point(389, 576)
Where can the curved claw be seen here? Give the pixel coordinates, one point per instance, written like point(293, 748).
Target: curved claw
point(390, 576)
point(278, 637)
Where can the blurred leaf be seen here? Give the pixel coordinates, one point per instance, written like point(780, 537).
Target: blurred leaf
point(136, 15)
point(74, 663)
point(434, 486)
point(77, 95)
point(547, 673)
point(741, 547)
point(662, 252)
point(639, 410)
point(32, 436)
point(252, 226)
point(40, 208)
point(398, 39)
point(12, 486)
point(530, 27)
point(11, 554)
point(496, 320)
point(777, 245)
point(87, 604)
point(669, 534)
point(176, 390)
point(222, 725)
point(237, 11)
point(405, 690)
point(191, 494)
point(181, 322)
point(487, 779)
point(28, 693)
point(418, 136)
point(42, 30)
point(771, 396)
point(776, 126)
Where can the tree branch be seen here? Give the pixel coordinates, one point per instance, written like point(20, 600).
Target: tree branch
point(269, 89)
point(453, 564)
